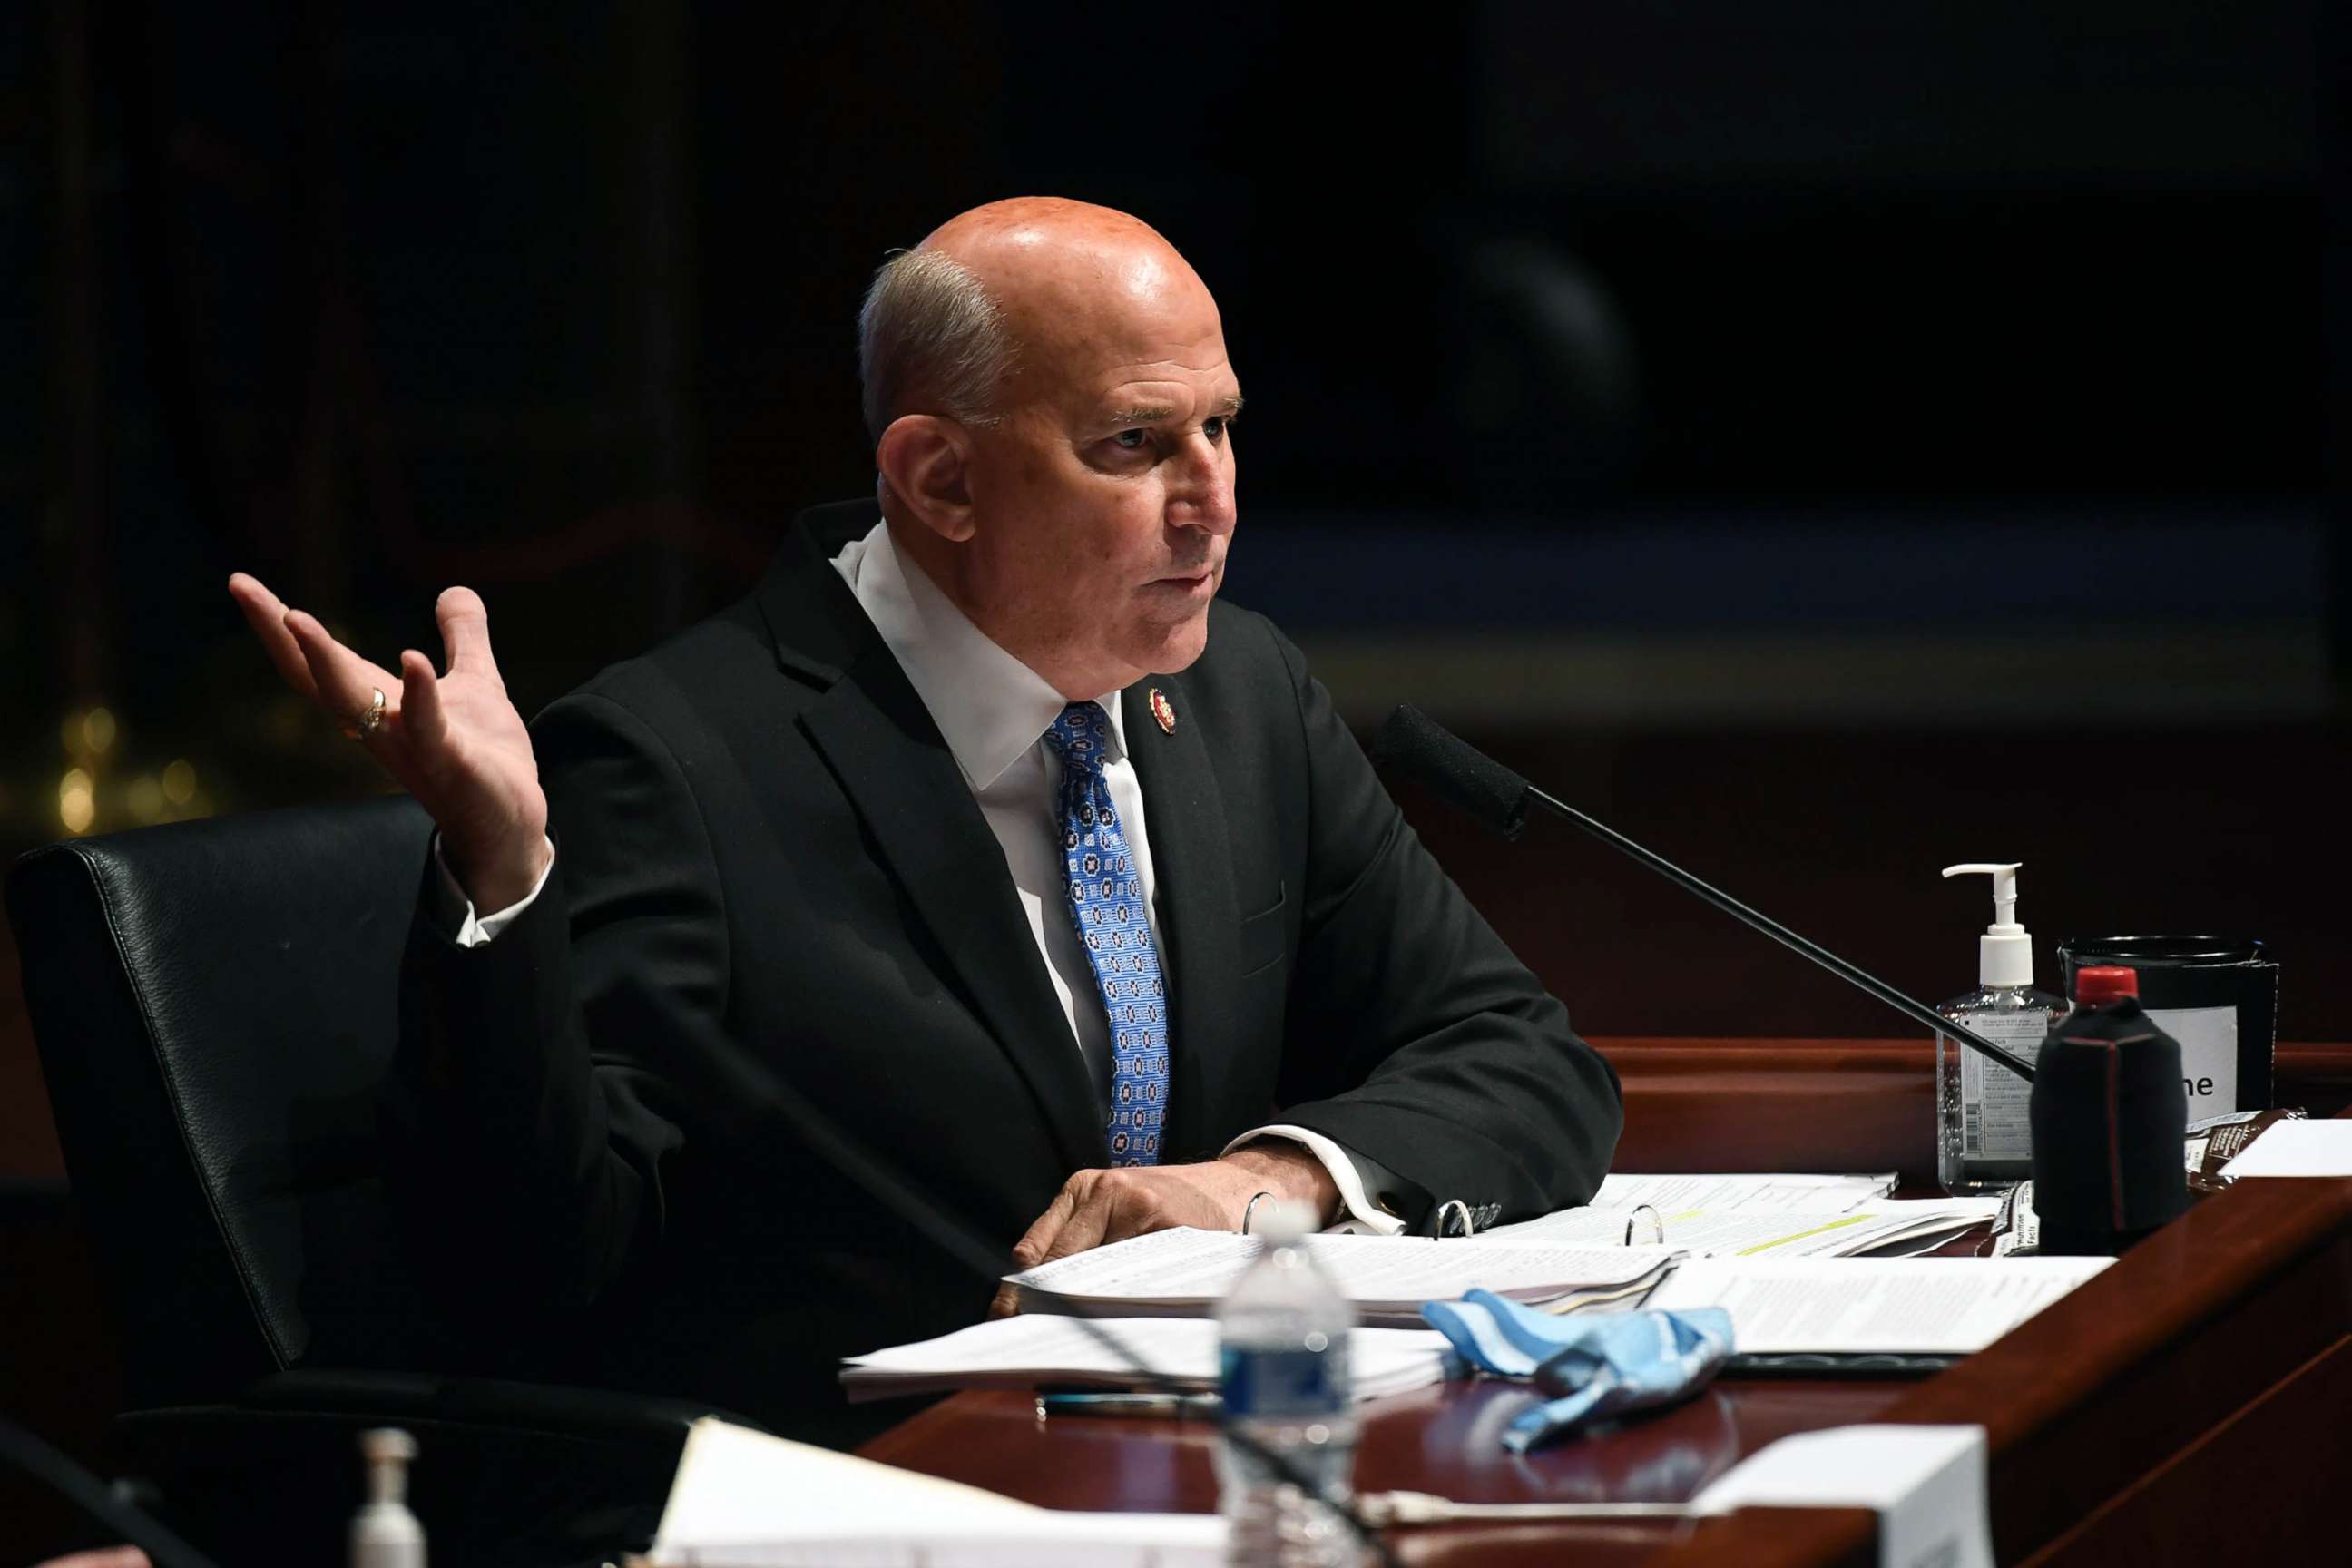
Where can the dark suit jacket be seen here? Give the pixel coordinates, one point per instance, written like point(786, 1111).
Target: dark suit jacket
point(774, 897)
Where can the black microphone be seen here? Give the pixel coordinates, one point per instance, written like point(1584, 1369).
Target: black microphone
point(1457, 772)
point(133, 1525)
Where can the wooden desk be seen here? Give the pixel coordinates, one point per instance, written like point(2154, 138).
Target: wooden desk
point(2200, 1386)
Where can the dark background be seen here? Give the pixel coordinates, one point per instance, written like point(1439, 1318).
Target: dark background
point(1827, 441)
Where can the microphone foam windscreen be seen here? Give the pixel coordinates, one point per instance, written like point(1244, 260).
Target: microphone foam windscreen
point(1422, 749)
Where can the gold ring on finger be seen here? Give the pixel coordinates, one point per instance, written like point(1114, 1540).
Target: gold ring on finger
point(368, 723)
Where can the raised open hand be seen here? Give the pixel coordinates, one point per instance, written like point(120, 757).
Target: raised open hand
point(455, 742)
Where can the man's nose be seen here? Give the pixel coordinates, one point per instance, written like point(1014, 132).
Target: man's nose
point(1204, 496)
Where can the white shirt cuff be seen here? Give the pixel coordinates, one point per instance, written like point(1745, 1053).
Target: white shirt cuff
point(1362, 1216)
point(455, 910)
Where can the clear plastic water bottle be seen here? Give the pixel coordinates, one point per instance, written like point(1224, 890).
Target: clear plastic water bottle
point(1288, 1386)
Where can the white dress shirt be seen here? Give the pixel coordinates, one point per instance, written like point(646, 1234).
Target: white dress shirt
point(994, 711)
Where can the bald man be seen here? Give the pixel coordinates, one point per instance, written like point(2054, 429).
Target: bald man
point(982, 827)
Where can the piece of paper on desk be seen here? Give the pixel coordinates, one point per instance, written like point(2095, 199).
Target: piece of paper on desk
point(1766, 1233)
point(1926, 1484)
point(1936, 1306)
point(1183, 1272)
point(745, 1499)
point(2297, 1149)
point(1032, 1349)
point(1722, 1193)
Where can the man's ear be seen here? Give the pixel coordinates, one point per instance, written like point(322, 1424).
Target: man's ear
point(926, 462)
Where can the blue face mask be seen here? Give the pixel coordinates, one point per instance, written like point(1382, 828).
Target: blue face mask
point(1601, 1364)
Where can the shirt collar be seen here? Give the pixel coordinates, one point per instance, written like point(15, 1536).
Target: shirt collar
point(989, 707)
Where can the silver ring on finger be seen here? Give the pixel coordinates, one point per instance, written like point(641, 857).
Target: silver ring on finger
point(365, 727)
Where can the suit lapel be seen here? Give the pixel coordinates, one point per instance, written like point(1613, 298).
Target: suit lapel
point(1184, 816)
point(899, 775)
point(900, 778)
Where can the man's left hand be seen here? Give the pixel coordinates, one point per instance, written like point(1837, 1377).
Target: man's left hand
point(1094, 1208)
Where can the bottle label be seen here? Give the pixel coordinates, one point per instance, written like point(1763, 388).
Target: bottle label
point(1995, 1103)
point(1293, 1381)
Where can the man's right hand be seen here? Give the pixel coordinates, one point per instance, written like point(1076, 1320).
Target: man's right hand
point(455, 742)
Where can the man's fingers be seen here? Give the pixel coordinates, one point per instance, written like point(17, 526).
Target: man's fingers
point(104, 1557)
point(266, 616)
point(346, 683)
point(422, 719)
point(1096, 1208)
point(1031, 1249)
point(1090, 1216)
point(1037, 1243)
point(1136, 1211)
point(465, 631)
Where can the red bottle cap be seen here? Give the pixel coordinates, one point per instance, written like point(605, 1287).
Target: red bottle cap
point(2097, 987)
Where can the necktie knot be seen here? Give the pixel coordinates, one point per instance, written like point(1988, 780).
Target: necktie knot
point(1081, 736)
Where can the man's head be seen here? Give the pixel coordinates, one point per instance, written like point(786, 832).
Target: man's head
point(1051, 404)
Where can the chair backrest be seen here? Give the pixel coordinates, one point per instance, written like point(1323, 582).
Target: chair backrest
point(217, 1003)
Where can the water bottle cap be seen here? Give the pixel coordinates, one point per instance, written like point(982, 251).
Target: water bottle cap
point(2103, 984)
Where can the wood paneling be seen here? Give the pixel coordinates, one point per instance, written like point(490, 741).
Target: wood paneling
point(1832, 1105)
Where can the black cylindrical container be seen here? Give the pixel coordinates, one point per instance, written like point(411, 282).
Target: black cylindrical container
point(2108, 1112)
point(2217, 995)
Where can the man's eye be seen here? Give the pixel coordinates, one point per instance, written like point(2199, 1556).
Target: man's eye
point(1132, 440)
point(1215, 425)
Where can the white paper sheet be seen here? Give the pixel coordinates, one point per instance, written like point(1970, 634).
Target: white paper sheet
point(1053, 1540)
point(1024, 1350)
point(2297, 1149)
point(743, 1498)
point(1931, 1306)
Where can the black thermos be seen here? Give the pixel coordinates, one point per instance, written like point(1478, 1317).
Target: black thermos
point(2109, 1116)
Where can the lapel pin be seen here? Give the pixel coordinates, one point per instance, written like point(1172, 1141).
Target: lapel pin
point(1163, 710)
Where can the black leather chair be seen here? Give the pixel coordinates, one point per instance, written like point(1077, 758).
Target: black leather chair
point(215, 1003)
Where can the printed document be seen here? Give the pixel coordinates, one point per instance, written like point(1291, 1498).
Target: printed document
point(1924, 1306)
point(1183, 1272)
point(745, 1499)
point(1718, 1193)
point(1740, 1231)
point(1181, 1352)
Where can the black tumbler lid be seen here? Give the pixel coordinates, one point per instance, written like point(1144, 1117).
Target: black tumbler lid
point(2137, 951)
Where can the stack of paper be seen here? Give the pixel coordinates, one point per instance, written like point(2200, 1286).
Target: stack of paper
point(744, 1500)
point(1180, 1354)
point(1778, 1192)
point(1935, 1306)
point(1746, 1231)
point(1182, 1273)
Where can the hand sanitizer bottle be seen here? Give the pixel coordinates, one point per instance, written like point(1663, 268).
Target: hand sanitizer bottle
point(385, 1535)
point(1984, 1129)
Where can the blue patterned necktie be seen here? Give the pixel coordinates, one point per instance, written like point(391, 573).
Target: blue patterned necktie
point(1107, 901)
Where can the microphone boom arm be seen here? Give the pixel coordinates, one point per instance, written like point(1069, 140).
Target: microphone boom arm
point(1852, 975)
point(1462, 773)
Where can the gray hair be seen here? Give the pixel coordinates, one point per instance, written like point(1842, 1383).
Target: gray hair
point(931, 340)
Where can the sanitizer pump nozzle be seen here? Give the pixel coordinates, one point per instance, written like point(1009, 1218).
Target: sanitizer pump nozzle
point(385, 1535)
point(2005, 953)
